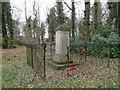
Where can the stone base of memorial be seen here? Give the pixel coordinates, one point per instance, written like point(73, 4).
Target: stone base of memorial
point(58, 66)
point(60, 59)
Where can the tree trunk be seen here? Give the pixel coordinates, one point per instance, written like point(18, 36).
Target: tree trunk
point(119, 17)
point(97, 15)
point(0, 23)
point(73, 20)
point(4, 29)
point(10, 21)
point(119, 36)
point(112, 19)
point(87, 21)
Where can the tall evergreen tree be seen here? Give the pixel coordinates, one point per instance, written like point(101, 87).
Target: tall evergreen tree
point(112, 18)
point(4, 27)
point(9, 21)
point(52, 22)
point(7, 24)
point(60, 13)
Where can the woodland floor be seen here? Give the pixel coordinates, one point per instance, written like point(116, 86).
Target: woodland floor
point(94, 73)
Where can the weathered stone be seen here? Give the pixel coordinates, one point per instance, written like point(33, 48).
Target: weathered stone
point(59, 66)
point(60, 59)
point(61, 45)
point(62, 28)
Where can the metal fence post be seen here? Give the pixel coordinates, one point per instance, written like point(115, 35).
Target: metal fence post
point(119, 72)
point(85, 51)
point(27, 53)
point(119, 69)
point(44, 45)
point(32, 55)
point(67, 61)
point(108, 56)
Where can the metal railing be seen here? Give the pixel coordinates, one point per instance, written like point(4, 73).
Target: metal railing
point(36, 58)
point(97, 50)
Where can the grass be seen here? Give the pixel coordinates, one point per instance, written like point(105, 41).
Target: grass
point(17, 74)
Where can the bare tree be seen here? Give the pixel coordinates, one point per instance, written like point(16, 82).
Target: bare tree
point(72, 16)
point(36, 22)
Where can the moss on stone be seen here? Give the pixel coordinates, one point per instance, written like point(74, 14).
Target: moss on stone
point(63, 59)
point(62, 28)
point(58, 66)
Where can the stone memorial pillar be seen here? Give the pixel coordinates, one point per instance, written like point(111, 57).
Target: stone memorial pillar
point(61, 44)
point(60, 59)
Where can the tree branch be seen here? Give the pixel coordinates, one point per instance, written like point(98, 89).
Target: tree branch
point(67, 5)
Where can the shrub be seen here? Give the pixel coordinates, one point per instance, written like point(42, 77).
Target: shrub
point(98, 39)
point(110, 38)
point(75, 46)
point(114, 39)
point(15, 43)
